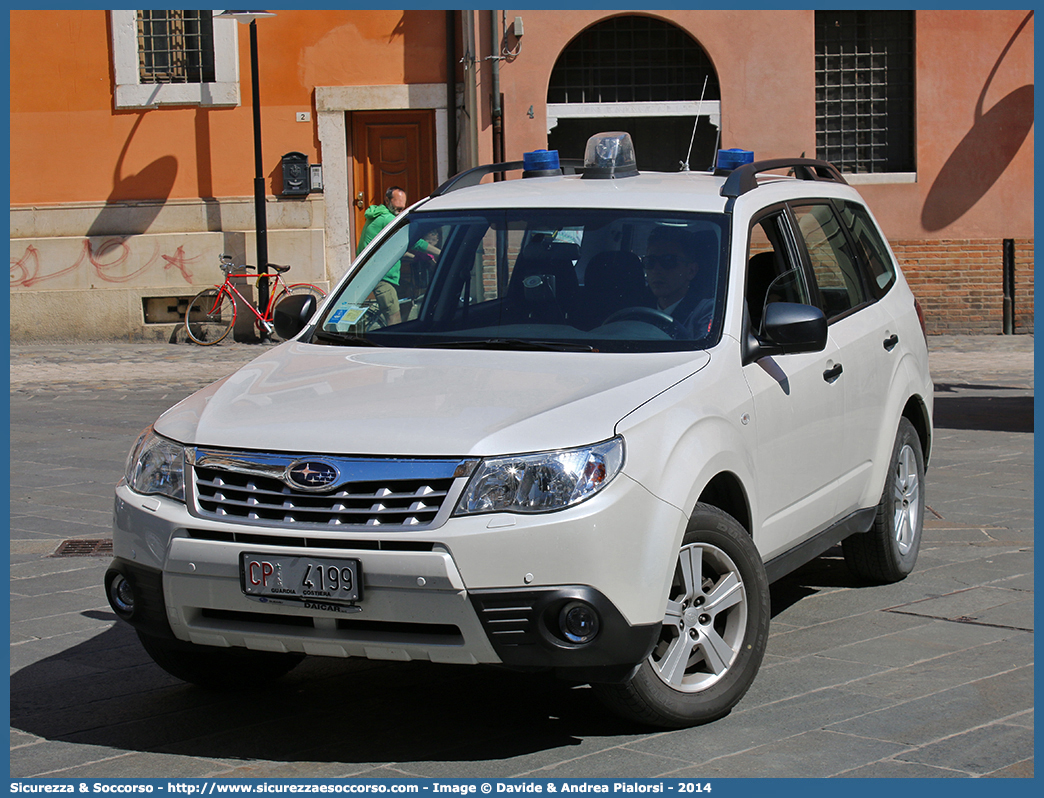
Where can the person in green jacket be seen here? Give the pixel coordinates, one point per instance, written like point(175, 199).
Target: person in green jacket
point(377, 218)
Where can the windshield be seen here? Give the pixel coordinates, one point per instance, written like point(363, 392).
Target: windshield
point(557, 279)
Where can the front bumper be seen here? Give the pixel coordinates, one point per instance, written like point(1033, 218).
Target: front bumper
point(417, 604)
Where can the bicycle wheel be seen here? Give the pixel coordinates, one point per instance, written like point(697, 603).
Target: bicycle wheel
point(210, 316)
point(300, 288)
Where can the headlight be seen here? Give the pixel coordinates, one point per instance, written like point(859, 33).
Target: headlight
point(157, 465)
point(542, 482)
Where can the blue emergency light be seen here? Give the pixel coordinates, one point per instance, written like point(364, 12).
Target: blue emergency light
point(733, 158)
point(540, 163)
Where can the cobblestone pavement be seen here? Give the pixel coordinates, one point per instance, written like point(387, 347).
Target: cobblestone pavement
point(104, 366)
point(932, 677)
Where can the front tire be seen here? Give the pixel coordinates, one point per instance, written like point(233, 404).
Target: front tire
point(715, 630)
point(888, 552)
point(217, 668)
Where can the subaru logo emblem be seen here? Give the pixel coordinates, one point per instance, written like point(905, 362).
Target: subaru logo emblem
point(311, 475)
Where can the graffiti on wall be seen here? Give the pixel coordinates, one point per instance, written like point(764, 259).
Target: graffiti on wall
point(110, 260)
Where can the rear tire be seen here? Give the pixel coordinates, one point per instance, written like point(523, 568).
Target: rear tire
point(888, 552)
point(210, 317)
point(714, 634)
point(217, 668)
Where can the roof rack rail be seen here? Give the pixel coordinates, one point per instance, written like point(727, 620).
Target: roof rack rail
point(473, 176)
point(744, 179)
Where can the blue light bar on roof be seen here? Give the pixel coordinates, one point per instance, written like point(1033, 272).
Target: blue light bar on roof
point(540, 163)
point(734, 158)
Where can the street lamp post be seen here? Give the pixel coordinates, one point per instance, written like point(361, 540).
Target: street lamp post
point(260, 216)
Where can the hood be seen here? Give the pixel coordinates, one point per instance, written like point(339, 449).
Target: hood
point(321, 399)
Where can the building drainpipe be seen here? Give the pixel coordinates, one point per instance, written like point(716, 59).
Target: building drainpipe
point(451, 92)
point(1009, 286)
point(497, 115)
point(471, 115)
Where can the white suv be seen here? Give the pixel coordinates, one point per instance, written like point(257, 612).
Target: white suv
point(613, 407)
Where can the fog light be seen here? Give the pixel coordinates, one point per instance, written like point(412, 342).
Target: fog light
point(579, 622)
point(121, 595)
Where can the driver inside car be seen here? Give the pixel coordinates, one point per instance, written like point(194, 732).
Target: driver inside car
point(670, 272)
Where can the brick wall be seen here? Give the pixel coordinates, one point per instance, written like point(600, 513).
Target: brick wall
point(960, 283)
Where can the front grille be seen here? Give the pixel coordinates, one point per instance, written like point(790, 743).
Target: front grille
point(412, 503)
point(251, 488)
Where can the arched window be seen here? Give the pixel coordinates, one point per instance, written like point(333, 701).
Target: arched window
point(641, 75)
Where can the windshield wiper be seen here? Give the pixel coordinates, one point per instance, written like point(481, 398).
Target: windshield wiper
point(344, 339)
point(512, 344)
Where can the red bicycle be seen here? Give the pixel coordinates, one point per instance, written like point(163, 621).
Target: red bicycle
point(212, 313)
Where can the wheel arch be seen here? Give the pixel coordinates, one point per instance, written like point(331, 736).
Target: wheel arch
point(910, 397)
point(726, 492)
point(916, 412)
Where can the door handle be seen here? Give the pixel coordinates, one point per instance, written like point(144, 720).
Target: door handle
point(830, 375)
point(360, 200)
point(890, 342)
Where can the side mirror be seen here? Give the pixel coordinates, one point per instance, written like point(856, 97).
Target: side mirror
point(293, 313)
point(788, 328)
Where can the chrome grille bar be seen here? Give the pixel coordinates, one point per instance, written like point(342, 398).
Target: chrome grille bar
point(252, 488)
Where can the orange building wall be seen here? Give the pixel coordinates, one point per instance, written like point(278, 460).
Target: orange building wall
point(974, 100)
point(974, 165)
point(84, 151)
point(974, 173)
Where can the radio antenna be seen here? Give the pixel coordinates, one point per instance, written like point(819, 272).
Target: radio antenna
point(699, 110)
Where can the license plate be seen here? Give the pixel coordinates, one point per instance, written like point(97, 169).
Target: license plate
point(300, 578)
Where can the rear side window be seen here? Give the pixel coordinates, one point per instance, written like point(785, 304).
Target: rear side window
point(833, 261)
point(870, 246)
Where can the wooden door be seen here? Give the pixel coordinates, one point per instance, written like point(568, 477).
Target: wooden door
point(391, 148)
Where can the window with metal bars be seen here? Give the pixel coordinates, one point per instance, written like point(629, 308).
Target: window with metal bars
point(632, 59)
point(865, 90)
point(176, 46)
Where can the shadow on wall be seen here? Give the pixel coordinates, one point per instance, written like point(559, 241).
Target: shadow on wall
point(984, 153)
point(154, 183)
